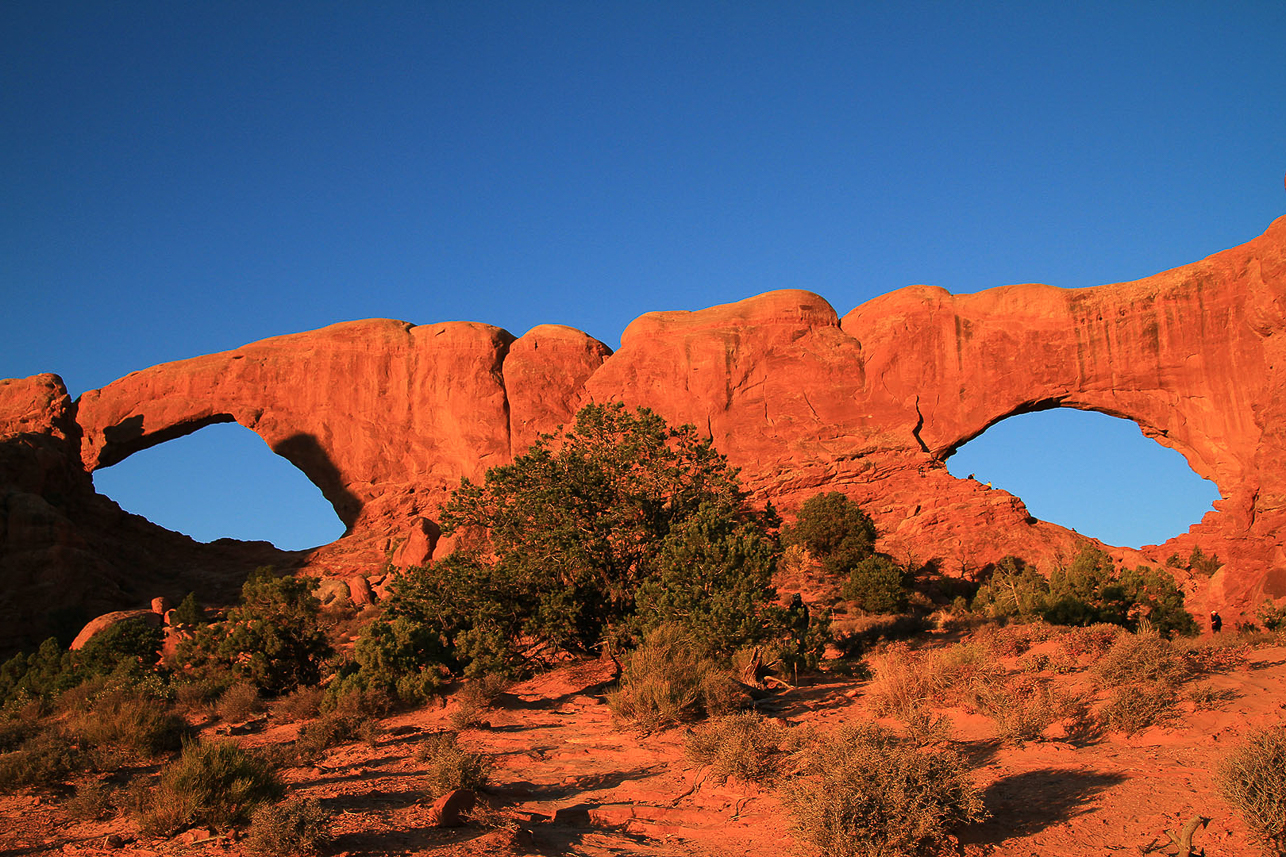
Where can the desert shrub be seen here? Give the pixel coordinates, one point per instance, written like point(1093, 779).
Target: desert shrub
point(272, 638)
point(45, 759)
point(746, 746)
point(1200, 563)
point(133, 646)
point(297, 827)
point(92, 801)
point(345, 717)
point(1023, 707)
point(198, 695)
point(1089, 642)
point(45, 672)
point(1272, 617)
point(126, 720)
point(668, 679)
point(1134, 707)
point(475, 698)
point(835, 530)
point(189, 613)
point(875, 584)
point(239, 703)
point(214, 783)
point(450, 766)
point(905, 680)
point(302, 703)
point(1252, 779)
point(1207, 698)
point(864, 792)
point(1014, 588)
point(1145, 657)
point(1088, 591)
point(598, 533)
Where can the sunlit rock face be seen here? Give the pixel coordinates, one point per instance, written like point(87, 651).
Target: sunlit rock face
point(385, 417)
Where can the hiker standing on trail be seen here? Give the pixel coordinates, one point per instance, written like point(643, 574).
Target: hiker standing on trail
point(1216, 622)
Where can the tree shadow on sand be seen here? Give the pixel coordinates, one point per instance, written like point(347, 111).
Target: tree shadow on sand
point(1029, 802)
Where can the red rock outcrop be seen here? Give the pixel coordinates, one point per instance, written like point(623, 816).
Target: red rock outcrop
point(386, 417)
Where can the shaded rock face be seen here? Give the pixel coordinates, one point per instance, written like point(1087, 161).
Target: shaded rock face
point(385, 417)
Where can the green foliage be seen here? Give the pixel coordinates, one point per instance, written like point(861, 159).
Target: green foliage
point(272, 638)
point(1089, 591)
point(45, 672)
point(46, 758)
point(713, 575)
point(1271, 616)
point(669, 679)
point(596, 535)
point(835, 530)
point(1253, 780)
point(214, 783)
point(133, 646)
point(876, 585)
point(1201, 564)
point(867, 793)
point(1014, 588)
point(297, 827)
point(189, 612)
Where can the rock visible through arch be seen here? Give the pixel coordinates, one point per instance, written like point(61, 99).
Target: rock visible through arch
point(386, 417)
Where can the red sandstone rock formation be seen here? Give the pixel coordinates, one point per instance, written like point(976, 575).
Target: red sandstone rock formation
point(386, 417)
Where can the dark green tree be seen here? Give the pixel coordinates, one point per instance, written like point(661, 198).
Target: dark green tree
point(272, 638)
point(597, 533)
point(835, 531)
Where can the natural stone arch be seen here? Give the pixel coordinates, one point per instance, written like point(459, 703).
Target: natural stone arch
point(1076, 466)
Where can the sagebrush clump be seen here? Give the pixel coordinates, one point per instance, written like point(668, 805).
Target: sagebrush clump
point(451, 766)
point(747, 746)
point(668, 679)
point(214, 783)
point(865, 792)
point(1253, 780)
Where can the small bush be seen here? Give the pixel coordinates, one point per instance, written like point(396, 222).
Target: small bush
point(127, 720)
point(666, 680)
point(1207, 698)
point(214, 783)
point(92, 801)
point(1024, 707)
point(1145, 657)
point(347, 717)
point(905, 680)
point(475, 699)
point(298, 827)
point(746, 746)
point(875, 584)
point(1272, 616)
point(866, 793)
point(1136, 706)
point(44, 760)
point(450, 766)
point(1253, 780)
point(302, 703)
point(198, 697)
point(239, 703)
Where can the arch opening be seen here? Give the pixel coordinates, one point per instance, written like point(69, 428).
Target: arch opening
point(1094, 473)
point(222, 481)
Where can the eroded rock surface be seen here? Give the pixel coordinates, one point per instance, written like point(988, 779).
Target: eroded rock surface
point(386, 417)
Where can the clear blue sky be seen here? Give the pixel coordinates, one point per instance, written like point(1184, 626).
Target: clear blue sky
point(183, 178)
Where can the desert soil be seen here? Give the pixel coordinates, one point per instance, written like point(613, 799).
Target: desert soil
point(567, 780)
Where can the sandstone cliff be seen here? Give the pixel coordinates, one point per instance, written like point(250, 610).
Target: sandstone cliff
point(386, 417)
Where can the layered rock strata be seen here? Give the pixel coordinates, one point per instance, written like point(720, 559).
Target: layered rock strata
point(385, 417)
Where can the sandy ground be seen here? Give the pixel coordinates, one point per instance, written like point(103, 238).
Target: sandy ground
point(567, 780)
